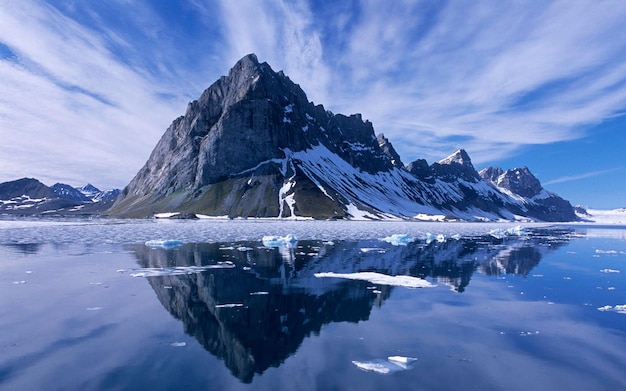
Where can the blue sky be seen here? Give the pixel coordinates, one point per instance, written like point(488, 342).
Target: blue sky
point(88, 87)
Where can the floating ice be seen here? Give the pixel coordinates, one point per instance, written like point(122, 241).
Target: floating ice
point(620, 309)
point(385, 367)
point(503, 233)
point(383, 279)
point(398, 239)
point(370, 249)
point(178, 344)
point(259, 293)
point(168, 243)
point(93, 308)
point(609, 271)
point(401, 359)
point(611, 252)
point(244, 248)
point(229, 305)
point(289, 241)
point(179, 270)
point(19, 282)
point(432, 237)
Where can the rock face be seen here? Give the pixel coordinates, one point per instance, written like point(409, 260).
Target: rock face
point(28, 196)
point(253, 145)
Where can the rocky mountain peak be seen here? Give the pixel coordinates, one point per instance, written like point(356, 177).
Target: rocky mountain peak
point(253, 145)
point(491, 174)
point(459, 156)
point(389, 150)
point(520, 181)
point(457, 165)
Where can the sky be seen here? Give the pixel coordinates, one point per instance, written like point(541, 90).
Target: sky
point(87, 88)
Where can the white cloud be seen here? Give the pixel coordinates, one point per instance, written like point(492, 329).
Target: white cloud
point(71, 109)
point(88, 96)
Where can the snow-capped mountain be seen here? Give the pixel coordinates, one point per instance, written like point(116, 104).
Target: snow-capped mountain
point(29, 196)
point(253, 146)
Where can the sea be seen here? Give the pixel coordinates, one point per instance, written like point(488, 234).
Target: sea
point(107, 304)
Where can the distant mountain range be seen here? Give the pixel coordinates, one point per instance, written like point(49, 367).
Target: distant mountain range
point(253, 145)
point(28, 196)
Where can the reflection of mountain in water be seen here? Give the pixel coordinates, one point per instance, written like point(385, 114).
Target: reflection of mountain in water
point(276, 301)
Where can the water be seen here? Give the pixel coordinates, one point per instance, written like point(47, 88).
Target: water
point(87, 305)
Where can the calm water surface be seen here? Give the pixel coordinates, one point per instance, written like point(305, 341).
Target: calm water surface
point(87, 305)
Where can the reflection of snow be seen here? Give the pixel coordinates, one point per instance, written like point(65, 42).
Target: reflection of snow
point(180, 270)
point(383, 279)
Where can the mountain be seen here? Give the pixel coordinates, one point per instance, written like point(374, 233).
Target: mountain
point(253, 145)
point(28, 196)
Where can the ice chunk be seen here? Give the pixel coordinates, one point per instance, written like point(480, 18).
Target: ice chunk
point(398, 239)
point(403, 361)
point(229, 305)
point(385, 367)
point(259, 293)
point(432, 237)
point(178, 344)
point(289, 241)
point(620, 309)
point(382, 279)
point(503, 233)
point(609, 271)
point(167, 243)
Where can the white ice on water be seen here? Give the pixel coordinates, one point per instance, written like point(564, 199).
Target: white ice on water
point(378, 278)
point(385, 367)
point(620, 309)
point(164, 243)
point(288, 240)
point(398, 239)
point(500, 233)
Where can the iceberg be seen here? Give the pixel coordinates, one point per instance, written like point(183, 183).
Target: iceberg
point(168, 243)
point(289, 241)
point(398, 239)
point(378, 278)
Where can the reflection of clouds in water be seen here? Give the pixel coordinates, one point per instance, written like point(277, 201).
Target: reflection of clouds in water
point(564, 351)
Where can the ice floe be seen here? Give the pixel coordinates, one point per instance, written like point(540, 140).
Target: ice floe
point(178, 344)
point(229, 305)
point(289, 241)
point(385, 367)
point(500, 233)
point(620, 309)
point(179, 270)
point(378, 278)
point(398, 239)
point(164, 243)
point(609, 271)
point(432, 237)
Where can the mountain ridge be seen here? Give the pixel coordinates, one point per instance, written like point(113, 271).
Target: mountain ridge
point(29, 196)
point(253, 145)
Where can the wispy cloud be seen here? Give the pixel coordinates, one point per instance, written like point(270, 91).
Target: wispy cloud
point(70, 107)
point(578, 177)
point(88, 88)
